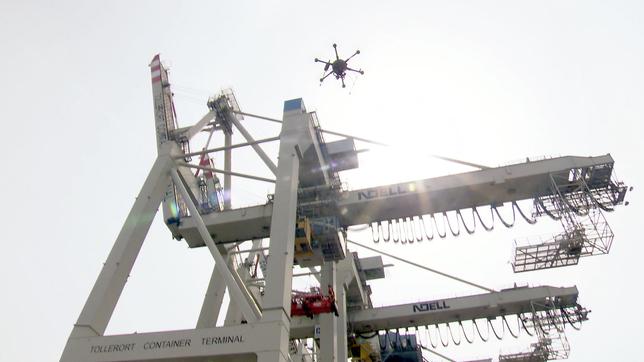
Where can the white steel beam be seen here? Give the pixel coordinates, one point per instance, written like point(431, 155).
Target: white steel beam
point(197, 127)
point(492, 186)
point(281, 248)
point(269, 163)
point(105, 294)
point(254, 250)
point(229, 147)
point(233, 225)
point(240, 343)
point(213, 300)
point(488, 305)
point(228, 164)
point(257, 116)
point(233, 315)
point(244, 342)
point(164, 123)
point(347, 273)
point(226, 173)
point(279, 275)
point(445, 193)
point(237, 289)
point(328, 321)
point(341, 321)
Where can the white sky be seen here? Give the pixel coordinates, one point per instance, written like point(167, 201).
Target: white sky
point(488, 82)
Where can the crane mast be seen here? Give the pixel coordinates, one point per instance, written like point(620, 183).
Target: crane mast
point(303, 230)
point(164, 114)
point(164, 124)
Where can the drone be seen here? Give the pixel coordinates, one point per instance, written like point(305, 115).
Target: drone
point(338, 67)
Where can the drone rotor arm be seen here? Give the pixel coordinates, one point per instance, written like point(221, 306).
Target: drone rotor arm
point(354, 54)
point(335, 48)
point(323, 78)
point(357, 71)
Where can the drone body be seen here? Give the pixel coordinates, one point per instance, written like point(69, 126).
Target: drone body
point(339, 67)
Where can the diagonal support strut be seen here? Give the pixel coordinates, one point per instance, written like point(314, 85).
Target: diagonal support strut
point(235, 286)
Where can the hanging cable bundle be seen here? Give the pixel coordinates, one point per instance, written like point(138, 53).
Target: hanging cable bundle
point(444, 233)
point(470, 341)
point(375, 236)
point(395, 226)
point(429, 337)
point(567, 316)
point(505, 321)
point(424, 227)
point(525, 328)
point(489, 321)
point(458, 230)
point(410, 229)
point(479, 331)
point(507, 225)
point(476, 211)
point(440, 335)
point(402, 230)
point(394, 340)
point(530, 221)
point(449, 329)
point(469, 231)
point(388, 231)
point(576, 209)
point(540, 206)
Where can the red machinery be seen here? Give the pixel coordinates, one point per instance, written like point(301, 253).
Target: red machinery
point(313, 303)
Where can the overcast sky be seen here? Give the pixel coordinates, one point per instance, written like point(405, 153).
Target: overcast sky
point(484, 81)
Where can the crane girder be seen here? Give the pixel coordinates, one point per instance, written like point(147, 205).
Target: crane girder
point(488, 305)
point(493, 186)
point(241, 342)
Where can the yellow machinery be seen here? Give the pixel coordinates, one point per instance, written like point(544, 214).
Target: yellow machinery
point(303, 237)
point(308, 252)
point(360, 352)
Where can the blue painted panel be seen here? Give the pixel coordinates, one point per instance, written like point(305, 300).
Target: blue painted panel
point(294, 104)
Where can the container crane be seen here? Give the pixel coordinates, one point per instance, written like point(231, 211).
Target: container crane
point(306, 220)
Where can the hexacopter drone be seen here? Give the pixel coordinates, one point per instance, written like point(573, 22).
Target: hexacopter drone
point(339, 67)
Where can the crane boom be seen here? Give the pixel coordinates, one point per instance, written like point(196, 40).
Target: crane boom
point(492, 186)
point(219, 344)
point(488, 305)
